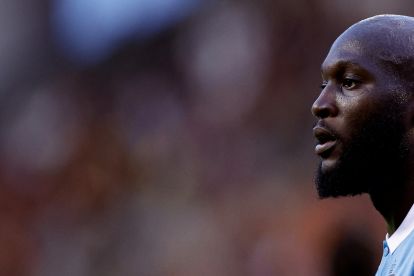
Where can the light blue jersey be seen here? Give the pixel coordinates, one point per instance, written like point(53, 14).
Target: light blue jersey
point(398, 255)
point(400, 262)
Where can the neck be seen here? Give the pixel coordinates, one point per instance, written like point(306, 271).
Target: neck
point(393, 206)
point(394, 201)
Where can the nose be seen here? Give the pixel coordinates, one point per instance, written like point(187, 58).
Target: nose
point(325, 105)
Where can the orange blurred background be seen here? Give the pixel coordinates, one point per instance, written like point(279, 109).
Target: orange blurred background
point(172, 138)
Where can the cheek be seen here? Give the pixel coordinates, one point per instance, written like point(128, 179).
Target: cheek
point(359, 107)
point(348, 107)
point(355, 113)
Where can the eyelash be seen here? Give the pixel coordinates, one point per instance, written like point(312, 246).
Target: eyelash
point(354, 82)
point(346, 82)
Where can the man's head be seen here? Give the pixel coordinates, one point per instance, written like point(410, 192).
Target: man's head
point(363, 110)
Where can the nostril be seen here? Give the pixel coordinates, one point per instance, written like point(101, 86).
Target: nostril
point(323, 113)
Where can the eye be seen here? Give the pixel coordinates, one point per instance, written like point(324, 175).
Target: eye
point(323, 85)
point(349, 83)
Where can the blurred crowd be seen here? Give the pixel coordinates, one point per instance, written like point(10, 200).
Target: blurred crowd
point(173, 138)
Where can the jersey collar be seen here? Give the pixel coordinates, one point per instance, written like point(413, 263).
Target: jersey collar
point(402, 231)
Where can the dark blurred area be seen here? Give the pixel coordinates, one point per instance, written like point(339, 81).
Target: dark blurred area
point(144, 137)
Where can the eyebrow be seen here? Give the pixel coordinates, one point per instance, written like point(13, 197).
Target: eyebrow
point(340, 66)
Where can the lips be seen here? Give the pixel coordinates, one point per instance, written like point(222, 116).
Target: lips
point(326, 141)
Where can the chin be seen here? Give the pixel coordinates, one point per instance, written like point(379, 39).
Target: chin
point(327, 165)
point(332, 180)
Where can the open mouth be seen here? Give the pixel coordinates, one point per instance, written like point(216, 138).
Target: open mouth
point(326, 141)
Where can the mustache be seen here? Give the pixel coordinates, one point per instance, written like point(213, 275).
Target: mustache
point(322, 124)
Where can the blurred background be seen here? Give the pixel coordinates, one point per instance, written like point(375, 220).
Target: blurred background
point(172, 137)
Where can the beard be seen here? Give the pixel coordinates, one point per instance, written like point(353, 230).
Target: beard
point(373, 162)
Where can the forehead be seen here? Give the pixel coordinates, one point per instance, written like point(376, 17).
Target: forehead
point(381, 45)
point(351, 53)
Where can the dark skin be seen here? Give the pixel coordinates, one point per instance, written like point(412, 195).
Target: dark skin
point(369, 68)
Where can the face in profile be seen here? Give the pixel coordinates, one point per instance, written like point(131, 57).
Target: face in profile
point(360, 130)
